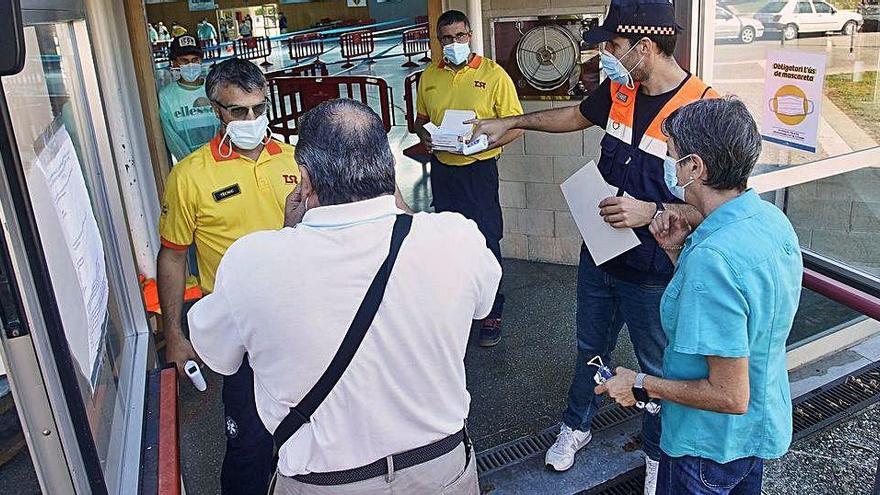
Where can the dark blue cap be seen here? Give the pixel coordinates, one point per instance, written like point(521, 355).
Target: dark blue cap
point(635, 17)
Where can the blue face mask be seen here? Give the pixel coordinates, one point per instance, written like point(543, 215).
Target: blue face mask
point(670, 176)
point(457, 53)
point(190, 72)
point(615, 70)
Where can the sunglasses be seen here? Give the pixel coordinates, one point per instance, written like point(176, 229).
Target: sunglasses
point(458, 38)
point(240, 112)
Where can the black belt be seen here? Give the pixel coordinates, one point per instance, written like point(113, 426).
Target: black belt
point(396, 462)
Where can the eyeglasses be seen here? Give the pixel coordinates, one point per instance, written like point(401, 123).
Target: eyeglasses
point(458, 38)
point(240, 112)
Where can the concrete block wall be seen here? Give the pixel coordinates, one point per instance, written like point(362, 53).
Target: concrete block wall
point(839, 217)
point(537, 222)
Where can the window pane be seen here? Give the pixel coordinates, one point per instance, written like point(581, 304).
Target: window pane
point(839, 217)
point(51, 120)
point(850, 101)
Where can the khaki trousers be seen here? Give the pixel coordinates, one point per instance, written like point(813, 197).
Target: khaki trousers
point(445, 475)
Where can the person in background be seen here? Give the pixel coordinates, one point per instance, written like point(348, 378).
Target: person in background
point(163, 31)
point(282, 22)
point(188, 119)
point(468, 185)
point(246, 28)
point(206, 31)
point(151, 31)
point(177, 30)
point(294, 293)
point(727, 312)
point(644, 85)
point(235, 185)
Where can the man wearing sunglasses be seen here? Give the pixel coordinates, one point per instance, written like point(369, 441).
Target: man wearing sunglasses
point(235, 185)
point(188, 121)
point(468, 185)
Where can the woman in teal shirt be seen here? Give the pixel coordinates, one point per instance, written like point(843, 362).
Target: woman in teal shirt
point(727, 313)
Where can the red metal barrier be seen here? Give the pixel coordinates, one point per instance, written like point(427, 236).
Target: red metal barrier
point(416, 41)
point(842, 293)
point(357, 44)
point(417, 152)
point(304, 46)
point(251, 48)
point(210, 49)
point(293, 96)
point(314, 69)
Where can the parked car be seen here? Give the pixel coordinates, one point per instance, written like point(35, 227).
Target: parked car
point(729, 26)
point(792, 17)
point(870, 10)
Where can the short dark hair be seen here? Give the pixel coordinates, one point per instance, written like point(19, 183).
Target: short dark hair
point(665, 43)
point(343, 146)
point(451, 17)
point(723, 133)
point(237, 72)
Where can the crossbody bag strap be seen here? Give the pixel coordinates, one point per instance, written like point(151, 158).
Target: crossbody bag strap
point(363, 319)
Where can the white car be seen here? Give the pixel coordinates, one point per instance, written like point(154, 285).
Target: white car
point(729, 26)
point(792, 17)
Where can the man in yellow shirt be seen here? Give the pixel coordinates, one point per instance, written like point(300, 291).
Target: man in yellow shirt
point(235, 185)
point(463, 80)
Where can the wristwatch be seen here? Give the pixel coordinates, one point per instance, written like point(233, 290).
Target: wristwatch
point(660, 208)
point(639, 391)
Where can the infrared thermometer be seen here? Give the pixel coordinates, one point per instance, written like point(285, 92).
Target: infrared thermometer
point(195, 375)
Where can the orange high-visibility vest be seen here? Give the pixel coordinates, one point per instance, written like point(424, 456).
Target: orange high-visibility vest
point(637, 170)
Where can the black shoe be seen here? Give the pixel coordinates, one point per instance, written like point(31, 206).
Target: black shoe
point(490, 332)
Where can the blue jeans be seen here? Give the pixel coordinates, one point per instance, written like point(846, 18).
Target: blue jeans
point(699, 476)
point(249, 460)
point(604, 304)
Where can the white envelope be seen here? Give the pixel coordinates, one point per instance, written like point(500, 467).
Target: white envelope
point(583, 192)
point(453, 132)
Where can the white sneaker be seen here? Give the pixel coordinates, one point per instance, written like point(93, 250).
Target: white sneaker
point(652, 467)
point(560, 456)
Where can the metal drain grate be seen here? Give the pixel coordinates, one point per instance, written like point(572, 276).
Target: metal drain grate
point(510, 453)
point(811, 412)
point(631, 482)
point(836, 401)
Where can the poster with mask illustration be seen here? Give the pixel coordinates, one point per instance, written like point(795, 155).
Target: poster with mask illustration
point(793, 89)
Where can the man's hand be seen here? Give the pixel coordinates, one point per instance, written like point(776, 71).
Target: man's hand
point(493, 129)
point(670, 229)
point(178, 350)
point(294, 207)
point(425, 137)
point(619, 387)
point(625, 212)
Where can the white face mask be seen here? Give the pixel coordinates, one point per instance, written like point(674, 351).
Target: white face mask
point(792, 105)
point(457, 53)
point(246, 134)
point(191, 72)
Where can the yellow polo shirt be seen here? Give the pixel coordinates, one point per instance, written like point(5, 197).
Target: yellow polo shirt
point(213, 201)
point(482, 86)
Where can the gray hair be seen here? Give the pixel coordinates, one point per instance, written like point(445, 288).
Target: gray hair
point(343, 146)
point(723, 133)
point(236, 72)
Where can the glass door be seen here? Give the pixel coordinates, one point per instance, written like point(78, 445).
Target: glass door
point(72, 193)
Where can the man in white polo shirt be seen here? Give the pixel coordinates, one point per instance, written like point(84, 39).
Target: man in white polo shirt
point(394, 420)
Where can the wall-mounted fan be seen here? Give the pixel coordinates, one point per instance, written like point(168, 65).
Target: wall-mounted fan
point(544, 55)
point(547, 55)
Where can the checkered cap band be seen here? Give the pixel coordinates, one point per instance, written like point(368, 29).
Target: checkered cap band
point(658, 30)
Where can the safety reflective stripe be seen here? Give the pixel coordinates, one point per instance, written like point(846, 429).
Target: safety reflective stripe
point(620, 130)
point(692, 90)
point(654, 145)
